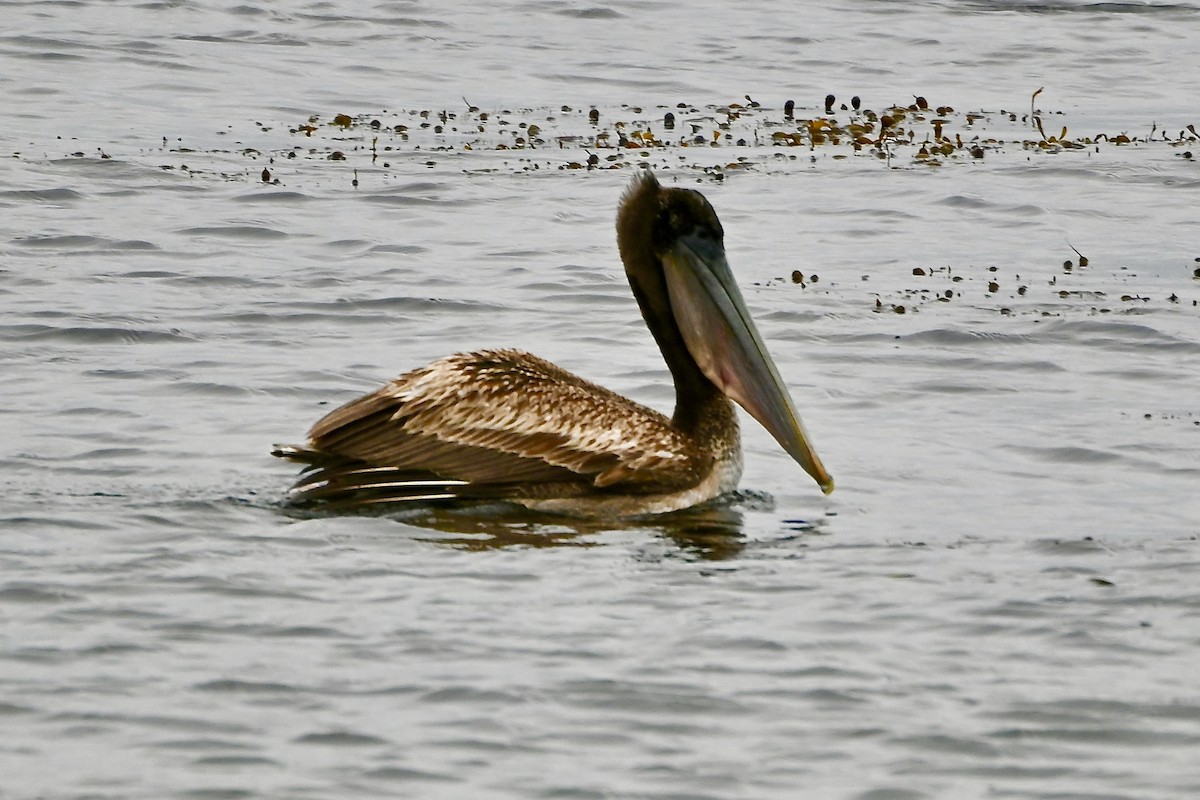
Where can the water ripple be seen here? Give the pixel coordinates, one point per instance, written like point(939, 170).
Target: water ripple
point(1000, 598)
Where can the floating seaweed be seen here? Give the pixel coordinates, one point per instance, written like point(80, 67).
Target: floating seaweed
point(902, 136)
point(709, 142)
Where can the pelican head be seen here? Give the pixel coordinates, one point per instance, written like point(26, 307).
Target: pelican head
point(672, 245)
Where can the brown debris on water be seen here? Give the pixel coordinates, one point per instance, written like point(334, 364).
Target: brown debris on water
point(1083, 260)
point(916, 134)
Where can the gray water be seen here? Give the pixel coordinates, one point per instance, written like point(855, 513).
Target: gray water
point(1000, 599)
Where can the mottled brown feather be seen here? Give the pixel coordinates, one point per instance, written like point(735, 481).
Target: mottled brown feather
point(508, 416)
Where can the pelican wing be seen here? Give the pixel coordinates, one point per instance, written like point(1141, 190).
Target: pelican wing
point(501, 418)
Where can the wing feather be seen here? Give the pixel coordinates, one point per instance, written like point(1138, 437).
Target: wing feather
point(507, 416)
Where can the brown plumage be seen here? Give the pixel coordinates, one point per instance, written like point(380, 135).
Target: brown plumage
point(504, 424)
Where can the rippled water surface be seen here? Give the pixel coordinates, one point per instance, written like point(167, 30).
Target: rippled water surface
point(1000, 600)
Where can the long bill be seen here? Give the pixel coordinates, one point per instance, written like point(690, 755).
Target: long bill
point(721, 337)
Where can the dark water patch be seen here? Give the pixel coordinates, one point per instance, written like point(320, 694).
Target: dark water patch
point(304, 632)
point(258, 318)
point(1089, 709)
point(968, 366)
point(131, 245)
point(470, 695)
point(227, 588)
point(12, 709)
point(1014, 609)
point(1148, 376)
point(150, 374)
point(235, 761)
point(1115, 735)
point(103, 172)
point(153, 721)
point(587, 12)
point(525, 254)
point(949, 745)
point(91, 612)
point(942, 387)
point(834, 698)
point(944, 337)
point(1081, 456)
point(21, 592)
point(570, 300)
point(80, 242)
point(52, 56)
point(787, 40)
point(149, 274)
point(874, 216)
point(963, 201)
point(1023, 210)
point(824, 673)
point(270, 197)
point(39, 92)
point(407, 774)
point(11, 278)
point(1012, 771)
point(232, 686)
point(107, 454)
point(248, 11)
point(347, 244)
point(413, 195)
point(43, 44)
point(113, 648)
point(56, 195)
point(70, 466)
point(1069, 7)
point(225, 281)
point(794, 323)
point(386, 20)
point(400, 249)
point(1151, 601)
point(820, 698)
point(479, 745)
point(246, 37)
point(219, 794)
point(893, 793)
point(208, 389)
point(37, 655)
point(1114, 335)
point(647, 697)
point(52, 522)
point(340, 739)
point(202, 743)
point(97, 335)
point(236, 232)
point(398, 689)
point(422, 305)
point(753, 644)
point(139, 46)
point(1084, 546)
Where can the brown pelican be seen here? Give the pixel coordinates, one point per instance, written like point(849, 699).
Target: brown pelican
point(507, 425)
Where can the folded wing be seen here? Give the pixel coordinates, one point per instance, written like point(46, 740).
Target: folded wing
point(491, 424)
